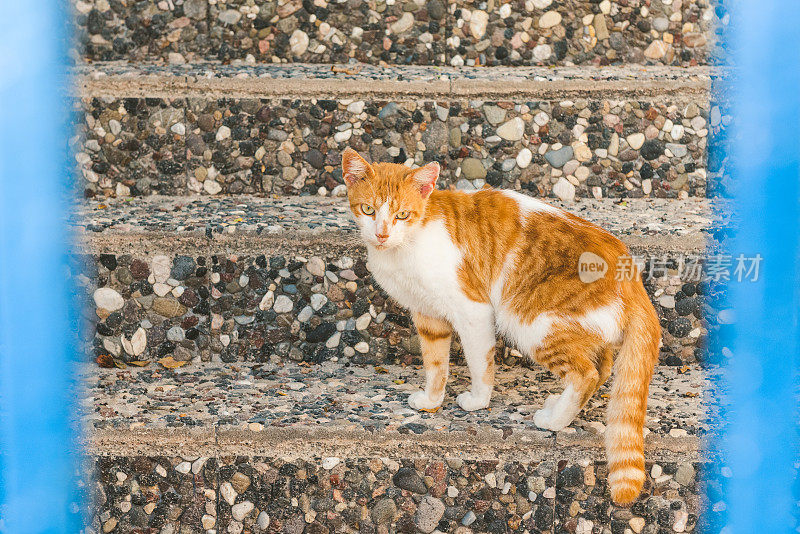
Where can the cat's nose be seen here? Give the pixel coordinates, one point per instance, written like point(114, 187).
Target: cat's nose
point(382, 237)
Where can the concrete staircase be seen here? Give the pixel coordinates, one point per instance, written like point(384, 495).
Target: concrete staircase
point(246, 373)
point(209, 129)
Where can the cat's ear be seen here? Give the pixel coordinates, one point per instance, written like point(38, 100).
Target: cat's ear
point(425, 178)
point(354, 167)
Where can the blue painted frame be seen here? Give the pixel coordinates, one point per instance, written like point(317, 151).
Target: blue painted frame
point(37, 311)
point(761, 442)
point(38, 315)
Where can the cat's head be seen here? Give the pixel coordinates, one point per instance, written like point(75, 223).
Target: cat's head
point(388, 200)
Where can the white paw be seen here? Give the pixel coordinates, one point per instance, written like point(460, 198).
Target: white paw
point(550, 402)
point(548, 417)
point(470, 402)
point(420, 401)
point(542, 419)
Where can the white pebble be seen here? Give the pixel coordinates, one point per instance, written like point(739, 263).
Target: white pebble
point(241, 510)
point(542, 52)
point(564, 190)
point(316, 266)
point(363, 322)
point(698, 123)
point(283, 304)
point(333, 341)
point(228, 493)
point(524, 158)
point(512, 130)
point(305, 314)
point(266, 301)
point(108, 299)
point(212, 187)
point(478, 22)
point(403, 24)
point(656, 471)
point(330, 462)
point(356, 107)
point(298, 42)
point(341, 137)
point(636, 140)
point(115, 127)
point(318, 301)
point(223, 133)
point(198, 464)
point(550, 19)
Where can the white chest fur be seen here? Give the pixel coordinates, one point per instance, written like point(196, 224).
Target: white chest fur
point(421, 274)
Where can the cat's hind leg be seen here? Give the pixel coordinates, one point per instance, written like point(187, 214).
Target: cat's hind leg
point(605, 363)
point(571, 353)
point(434, 337)
point(560, 410)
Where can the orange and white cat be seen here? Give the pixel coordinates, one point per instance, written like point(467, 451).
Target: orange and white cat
point(482, 262)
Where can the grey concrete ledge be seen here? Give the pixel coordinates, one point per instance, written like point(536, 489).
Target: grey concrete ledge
point(290, 443)
point(247, 224)
point(214, 80)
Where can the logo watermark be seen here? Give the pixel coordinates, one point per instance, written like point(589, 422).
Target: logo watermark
point(591, 267)
point(687, 267)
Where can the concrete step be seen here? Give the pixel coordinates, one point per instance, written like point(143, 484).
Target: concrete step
point(275, 130)
point(458, 32)
point(233, 279)
point(209, 447)
point(284, 400)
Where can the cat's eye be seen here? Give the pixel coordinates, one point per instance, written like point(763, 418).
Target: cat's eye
point(367, 209)
point(403, 215)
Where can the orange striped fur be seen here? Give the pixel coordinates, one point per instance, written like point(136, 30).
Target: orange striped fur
point(494, 261)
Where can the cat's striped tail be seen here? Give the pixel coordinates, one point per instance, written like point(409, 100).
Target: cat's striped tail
point(628, 403)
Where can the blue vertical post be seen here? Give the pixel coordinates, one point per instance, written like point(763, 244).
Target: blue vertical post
point(761, 443)
point(37, 449)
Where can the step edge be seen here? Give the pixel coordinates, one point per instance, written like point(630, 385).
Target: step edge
point(681, 82)
point(313, 442)
point(150, 243)
point(696, 240)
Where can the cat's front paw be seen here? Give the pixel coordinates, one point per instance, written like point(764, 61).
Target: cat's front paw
point(420, 401)
point(471, 402)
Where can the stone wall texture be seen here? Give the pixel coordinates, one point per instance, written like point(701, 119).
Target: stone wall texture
point(435, 32)
point(592, 148)
point(229, 308)
point(320, 495)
